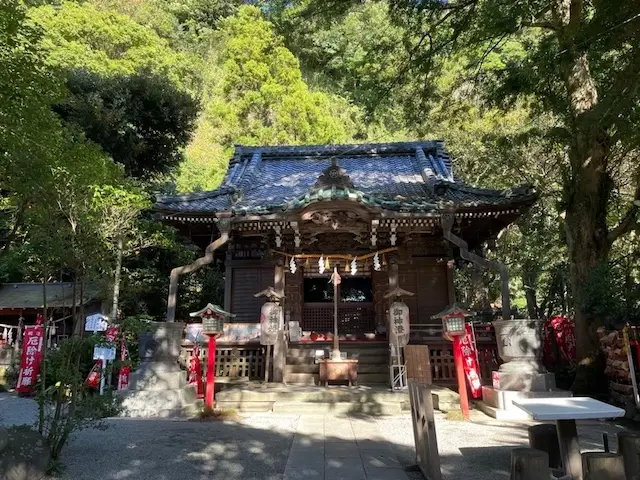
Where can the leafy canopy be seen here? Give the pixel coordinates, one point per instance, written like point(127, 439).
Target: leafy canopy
point(142, 120)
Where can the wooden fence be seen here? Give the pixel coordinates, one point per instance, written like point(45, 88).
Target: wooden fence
point(233, 361)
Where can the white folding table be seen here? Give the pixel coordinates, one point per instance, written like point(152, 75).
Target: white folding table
point(565, 412)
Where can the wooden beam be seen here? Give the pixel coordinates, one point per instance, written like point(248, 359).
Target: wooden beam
point(280, 347)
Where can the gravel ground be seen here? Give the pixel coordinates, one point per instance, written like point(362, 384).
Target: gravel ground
point(480, 449)
point(257, 447)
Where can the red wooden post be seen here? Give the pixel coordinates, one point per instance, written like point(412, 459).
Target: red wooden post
point(211, 373)
point(462, 386)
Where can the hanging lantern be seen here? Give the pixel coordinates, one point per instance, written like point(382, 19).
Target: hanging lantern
point(346, 267)
point(326, 264)
point(292, 265)
point(376, 262)
point(321, 265)
point(307, 264)
point(384, 260)
point(354, 266)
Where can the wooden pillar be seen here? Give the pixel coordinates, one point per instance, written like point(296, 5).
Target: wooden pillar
point(544, 437)
point(529, 464)
point(629, 448)
point(603, 466)
point(228, 279)
point(570, 448)
point(280, 347)
point(393, 283)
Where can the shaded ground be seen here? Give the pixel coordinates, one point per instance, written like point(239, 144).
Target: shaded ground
point(270, 446)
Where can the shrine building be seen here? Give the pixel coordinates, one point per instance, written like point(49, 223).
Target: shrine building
point(382, 215)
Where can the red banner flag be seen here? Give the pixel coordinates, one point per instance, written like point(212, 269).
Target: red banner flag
point(470, 362)
point(123, 377)
point(125, 371)
point(32, 346)
point(112, 333)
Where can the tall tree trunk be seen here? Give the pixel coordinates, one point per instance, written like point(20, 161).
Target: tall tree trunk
point(116, 281)
point(586, 182)
point(586, 187)
point(529, 281)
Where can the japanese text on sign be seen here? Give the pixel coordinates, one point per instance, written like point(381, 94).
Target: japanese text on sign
point(104, 353)
point(399, 323)
point(32, 346)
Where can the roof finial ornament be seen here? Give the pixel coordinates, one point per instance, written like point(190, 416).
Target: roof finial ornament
point(334, 176)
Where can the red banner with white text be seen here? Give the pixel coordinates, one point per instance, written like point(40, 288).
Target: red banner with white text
point(32, 346)
point(470, 362)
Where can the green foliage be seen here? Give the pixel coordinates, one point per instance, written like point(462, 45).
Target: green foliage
point(80, 36)
point(256, 96)
point(131, 327)
point(141, 120)
point(262, 98)
point(65, 402)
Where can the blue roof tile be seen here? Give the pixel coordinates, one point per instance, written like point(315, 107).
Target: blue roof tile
point(407, 176)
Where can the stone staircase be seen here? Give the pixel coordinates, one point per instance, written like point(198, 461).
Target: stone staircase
point(159, 389)
point(337, 399)
point(373, 362)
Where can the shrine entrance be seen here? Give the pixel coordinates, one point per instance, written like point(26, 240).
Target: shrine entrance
point(356, 314)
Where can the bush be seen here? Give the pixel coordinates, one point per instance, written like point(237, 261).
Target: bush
point(131, 327)
point(65, 403)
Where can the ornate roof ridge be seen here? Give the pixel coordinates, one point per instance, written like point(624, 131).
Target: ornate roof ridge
point(338, 150)
point(524, 190)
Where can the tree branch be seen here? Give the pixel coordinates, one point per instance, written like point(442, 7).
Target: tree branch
point(19, 219)
point(541, 24)
point(629, 222)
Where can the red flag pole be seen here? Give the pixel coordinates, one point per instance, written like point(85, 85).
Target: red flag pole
point(211, 364)
point(462, 384)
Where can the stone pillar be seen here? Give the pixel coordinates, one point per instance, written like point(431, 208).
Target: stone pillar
point(522, 375)
point(168, 338)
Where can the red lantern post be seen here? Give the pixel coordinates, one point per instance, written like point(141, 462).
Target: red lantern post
point(211, 375)
point(212, 326)
point(453, 324)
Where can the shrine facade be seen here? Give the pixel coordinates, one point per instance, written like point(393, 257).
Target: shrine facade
point(383, 216)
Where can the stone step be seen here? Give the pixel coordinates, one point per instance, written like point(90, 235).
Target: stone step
point(312, 394)
point(379, 378)
point(158, 376)
point(444, 399)
point(351, 352)
point(147, 402)
point(243, 406)
point(499, 414)
point(362, 360)
point(315, 369)
point(163, 381)
point(369, 408)
point(302, 378)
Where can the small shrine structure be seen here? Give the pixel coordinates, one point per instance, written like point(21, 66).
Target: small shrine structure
point(385, 216)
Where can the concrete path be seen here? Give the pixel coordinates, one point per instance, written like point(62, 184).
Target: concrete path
point(341, 448)
point(268, 446)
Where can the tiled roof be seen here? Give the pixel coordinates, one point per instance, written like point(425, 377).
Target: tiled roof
point(407, 176)
point(29, 295)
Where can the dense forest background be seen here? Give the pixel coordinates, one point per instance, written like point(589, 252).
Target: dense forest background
point(104, 103)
